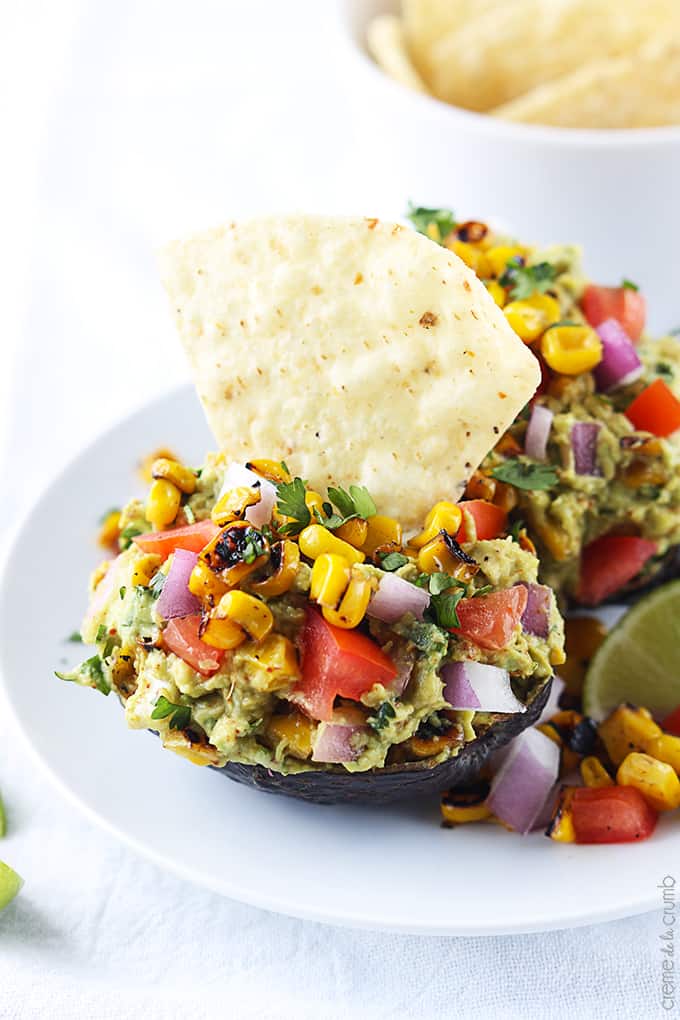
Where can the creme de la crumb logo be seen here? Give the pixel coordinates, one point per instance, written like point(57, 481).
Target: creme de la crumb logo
point(669, 916)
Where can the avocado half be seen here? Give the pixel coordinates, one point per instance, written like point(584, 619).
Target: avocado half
point(394, 782)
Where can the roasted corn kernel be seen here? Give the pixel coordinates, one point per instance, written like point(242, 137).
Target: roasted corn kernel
point(110, 529)
point(205, 584)
point(583, 637)
point(294, 732)
point(286, 558)
point(315, 540)
point(330, 578)
point(123, 675)
point(641, 472)
point(314, 501)
point(277, 661)
point(593, 772)
point(272, 470)
point(497, 292)
point(571, 350)
point(233, 504)
point(232, 553)
point(252, 615)
point(666, 748)
point(628, 729)
point(183, 477)
point(656, 781)
point(354, 532)
point(499, 256)
point(222, 633)
point(144, 569)
point(561, 827)
point(443, 516)
point(472, 256)
point(354, 604)
point(481, 486)
point(469, 805)
point(162, 505)
point(381, 530)
point(527, 321)
point(436, 556)
point(147, 463)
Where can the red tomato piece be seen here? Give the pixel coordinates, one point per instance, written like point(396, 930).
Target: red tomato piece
point(624, 304)
point(611, 814)
point(335, 662)
point(490, 520)
point(181, 637)
point(193, 537)
point(656, 410)
point(610, 562)
point(671, 723)
point(490, 620)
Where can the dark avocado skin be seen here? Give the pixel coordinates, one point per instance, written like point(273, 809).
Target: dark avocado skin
point(395, 782)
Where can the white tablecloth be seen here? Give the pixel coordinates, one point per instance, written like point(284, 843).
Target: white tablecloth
point(127, 123)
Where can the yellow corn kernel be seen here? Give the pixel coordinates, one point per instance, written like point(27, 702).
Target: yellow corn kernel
point(381, 530)
point(254, 616)
point(330, 578)
point(461, 806)
point(287, 555)
point(223, 633)
point(656, 781)
point(314, 502)
point(473, 257)
point(144, 569)
point(571, 350)
point(430, 747)
point(497, 292)
point(277, 659)
point(640, 472)
point(435, 555)
point(147, 463)
point(221, 553)
point(666, 748)
point(593, 772)
point(354, 532)
point(110, 529)
point(557, 657)
point(163, 503)
point(553, 537)
point(183, 477)
point(295, 731)
point(315, 540)
point(583, 637)
point(527, 322)
point(628, 729)
point(561, 827)
point(443, 516)
point(123, 675)
point(499, 256)
point(205, 584)
point(233, 504)
point(272, 470)
point(352, 609)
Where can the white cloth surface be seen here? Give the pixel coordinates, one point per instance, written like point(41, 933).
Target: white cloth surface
point(128, 123)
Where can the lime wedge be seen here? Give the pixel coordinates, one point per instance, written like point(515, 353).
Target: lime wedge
point(639, 661)
point(10, 884)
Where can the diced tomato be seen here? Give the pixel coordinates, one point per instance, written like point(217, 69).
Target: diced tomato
point(490, 620)
point(192, 537)
point(624, 304)
point(181, 637)
point(610, 562)
point(490, 520)
point(611, 814)
point(671, 723)
point(656, 410)
point(335, 662)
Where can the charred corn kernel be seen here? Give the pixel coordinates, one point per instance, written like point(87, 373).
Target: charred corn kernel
point(443, 516)
point(561, 827)
point(527, 321)
point(583, 637)
point(123, 675)
point(278, 656)
point(505, 497)
point(435, 555)
point(248, 612)
point(294, 731)
point(330, 578)
point(429, 747)
point(205, 584)
point(481, 486)
point(507, 446)
point(473, 257)
point(223, 633)
point(628, 729)
point(147, 463)
point(461, 806)
point(272, 470)
point(195, 752)
point(656, 781)
point(354, 532)
point(499, 256)
point(233, 504)
point(144, 569)
point(650, 448)
point(640, 472)
point(571, 350)
point(163, 503)
point(381, 530)
point(231, 553)
point(287, 555)
point(314, 501)
point(497, 292)
point(666, 748)
point(352, 609)
point(110, 529)
point(593, 772)
point(183, 477)
point(315, 540)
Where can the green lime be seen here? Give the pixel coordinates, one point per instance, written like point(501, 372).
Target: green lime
point(639, 661)
point(10, 884)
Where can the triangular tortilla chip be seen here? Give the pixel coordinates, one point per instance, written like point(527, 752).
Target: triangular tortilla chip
point(358, 351)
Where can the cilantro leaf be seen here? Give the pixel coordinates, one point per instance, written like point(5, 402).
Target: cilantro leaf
point(515, 530)
point(363, 502)
point(393, 561)
point(91, 672)
point(524, 281)
point(440, 582)
point(342, 500)
point(75, 638)
point(255, 546)
point(121, 592)
point(525, 475)
point(180, 715)
point(629, 285)
point(290, 501)
point(355, 503)
point(382, 717)
point(421, 218)
point(443, 607)
point(664, 369)
point(126, 536)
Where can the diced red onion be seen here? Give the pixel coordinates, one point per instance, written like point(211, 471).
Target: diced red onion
point(620, 363)
point(542, 819)
point(396, 596)
point(536, 616)
point(480, 687)
point(334, 743)
point(236, 476)
point(175, 599)
point(584, 446)
point(552, 705)
point(520, 787)
point(538, 430)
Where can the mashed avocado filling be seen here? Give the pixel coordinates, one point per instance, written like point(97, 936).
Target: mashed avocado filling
point(232, 715)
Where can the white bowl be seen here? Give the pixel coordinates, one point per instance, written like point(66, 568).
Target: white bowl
point(615, 192)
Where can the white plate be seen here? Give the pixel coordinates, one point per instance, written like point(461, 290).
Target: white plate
point(392, 869)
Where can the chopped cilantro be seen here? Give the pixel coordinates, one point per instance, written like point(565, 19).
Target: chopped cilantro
point(156, 583)
point(663, 368)
point(444, 606)
point(92, 671)
point(355, 503)
point(525, 475)
point(524, 281)
point(382, 717)
point(440, 582)
point(629, 285)
point(101, 633)
point(649, 492)
point(290, 501)
point(121, 592)
point(255, 546)
point(515, 530)
point(75, 638)
point(421, 218)
point(285, 467)
point(180, 715)
point(127, 534)
point(393, 560)
point(484, 590)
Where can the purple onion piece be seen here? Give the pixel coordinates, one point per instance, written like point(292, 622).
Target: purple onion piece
point(538, 431)
point(474, 685)
point(584, 446)
point(396, 596)
point(175, 599)
point(552, 705)
point(520, 787)
point(536, 616)
point(334, 743)
point(620, 364)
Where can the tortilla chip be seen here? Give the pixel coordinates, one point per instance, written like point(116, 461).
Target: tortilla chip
point(631, 92)
point(385, 41)
point(428, 21)
point(506, 52)
point(358, 351)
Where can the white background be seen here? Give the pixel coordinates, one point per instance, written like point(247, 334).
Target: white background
point(124, 124)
